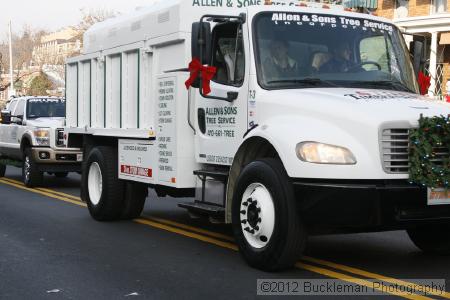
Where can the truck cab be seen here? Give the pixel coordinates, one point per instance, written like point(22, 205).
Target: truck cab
point(296, 120)
point(31, 138)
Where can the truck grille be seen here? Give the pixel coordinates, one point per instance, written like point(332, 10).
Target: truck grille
point(59, 137)
point(395, 150)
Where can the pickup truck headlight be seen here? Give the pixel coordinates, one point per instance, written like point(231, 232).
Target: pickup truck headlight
point(319, 153)
point(42, 136)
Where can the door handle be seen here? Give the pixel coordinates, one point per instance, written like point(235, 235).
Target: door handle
point(201, 115)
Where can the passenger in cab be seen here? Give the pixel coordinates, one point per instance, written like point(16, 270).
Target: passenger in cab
point(279, 65)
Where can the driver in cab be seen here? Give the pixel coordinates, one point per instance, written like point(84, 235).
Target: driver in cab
point(340, 60)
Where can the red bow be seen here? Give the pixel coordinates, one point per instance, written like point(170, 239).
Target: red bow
point(206, 74)
point(424, 83)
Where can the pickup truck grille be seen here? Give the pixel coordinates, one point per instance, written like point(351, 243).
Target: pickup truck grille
point(59, 137)
point(395, 151)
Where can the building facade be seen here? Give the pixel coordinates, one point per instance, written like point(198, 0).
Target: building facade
point(56, 47)
point(427, 20)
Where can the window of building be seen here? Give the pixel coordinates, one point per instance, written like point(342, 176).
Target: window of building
point(401, 9)
point(438, 6)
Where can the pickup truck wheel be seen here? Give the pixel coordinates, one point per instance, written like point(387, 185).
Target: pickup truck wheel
point(31, 175)
point(434, 239)
point(61, 174)
point(100, 187)
point(2, 170)
point(266, 223)
point(135, 195)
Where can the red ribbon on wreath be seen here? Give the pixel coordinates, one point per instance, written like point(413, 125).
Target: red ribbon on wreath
point(424, 83)
point(206, 72)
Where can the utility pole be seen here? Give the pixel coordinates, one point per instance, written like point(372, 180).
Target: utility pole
point(12, 92)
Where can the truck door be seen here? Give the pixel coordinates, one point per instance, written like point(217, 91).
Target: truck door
point(220, 124)
point(16, 129)
point(5, 135)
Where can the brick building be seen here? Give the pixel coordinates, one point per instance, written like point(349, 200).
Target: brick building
point(56, 47)
point(429, 19)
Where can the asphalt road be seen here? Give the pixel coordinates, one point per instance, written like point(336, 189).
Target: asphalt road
point(50, 248)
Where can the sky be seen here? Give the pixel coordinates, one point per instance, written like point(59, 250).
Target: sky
point(54, 14)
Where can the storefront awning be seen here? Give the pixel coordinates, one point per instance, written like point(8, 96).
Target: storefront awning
point(361, 4)
point(445, 38)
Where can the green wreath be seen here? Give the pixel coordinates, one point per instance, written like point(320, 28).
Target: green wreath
point(429, 152)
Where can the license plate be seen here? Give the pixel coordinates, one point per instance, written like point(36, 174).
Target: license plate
point(438, 196)
point(79, 157)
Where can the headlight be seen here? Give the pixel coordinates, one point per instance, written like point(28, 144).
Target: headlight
point(319, 153)
point(42, 137)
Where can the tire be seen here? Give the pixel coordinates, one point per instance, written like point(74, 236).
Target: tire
point(31, 175)
point(433, 239)
point(2, 170)
point(264, 202)
point(100, 187)
point(61, 174)
point(135, 195)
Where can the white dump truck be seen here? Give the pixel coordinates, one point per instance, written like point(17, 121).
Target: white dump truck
point(295, 121)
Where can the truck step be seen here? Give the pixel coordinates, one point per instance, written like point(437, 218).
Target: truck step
point(197, 208)
point(215, 174)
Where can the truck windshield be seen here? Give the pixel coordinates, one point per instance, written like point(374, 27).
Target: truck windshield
point(46, 108)
point(304, 50)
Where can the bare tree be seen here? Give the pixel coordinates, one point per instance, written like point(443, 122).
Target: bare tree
point(90, 17)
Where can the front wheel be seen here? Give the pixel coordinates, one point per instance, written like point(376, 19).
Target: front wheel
point(31, 175)
point(434, 239)
point(2, 170)
point(265, 218)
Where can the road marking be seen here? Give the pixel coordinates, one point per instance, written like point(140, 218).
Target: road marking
point(188, 234)
point(359, 281)
point(191, 228)
point(43, 193)
point(45, 190)
point(159, 220)
point(159, 223)
point(368, 274)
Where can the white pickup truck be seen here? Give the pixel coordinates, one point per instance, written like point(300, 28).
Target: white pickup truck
point(30, 137)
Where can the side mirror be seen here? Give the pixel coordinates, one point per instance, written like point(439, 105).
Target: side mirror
point(416, 50)
point(19, 119)
point(201, 42)
point(6, 117)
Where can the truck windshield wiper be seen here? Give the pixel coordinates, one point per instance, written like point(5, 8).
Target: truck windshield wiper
point(397, 85)
point(307, 80)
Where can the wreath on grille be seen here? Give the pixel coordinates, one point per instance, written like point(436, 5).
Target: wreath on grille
point(429, 152)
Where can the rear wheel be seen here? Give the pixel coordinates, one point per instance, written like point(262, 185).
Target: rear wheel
point(433, 239)
point(61, 174)
point(135, 195)
point(266, 222)
point(100, 187)
point(31, 175)
point(2, 170)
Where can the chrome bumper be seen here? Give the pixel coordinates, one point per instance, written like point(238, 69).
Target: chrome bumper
point(60, 156)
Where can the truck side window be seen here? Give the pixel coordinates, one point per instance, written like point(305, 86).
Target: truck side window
point(228, 54)
point(19, 111)
point(12, 106)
